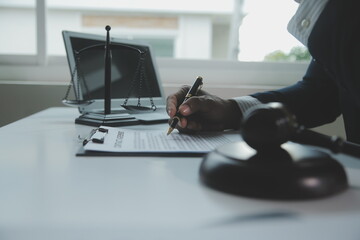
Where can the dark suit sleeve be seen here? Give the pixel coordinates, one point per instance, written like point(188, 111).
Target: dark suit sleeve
point(314, 99)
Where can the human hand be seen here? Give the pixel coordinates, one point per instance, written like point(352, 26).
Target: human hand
point(203, 112)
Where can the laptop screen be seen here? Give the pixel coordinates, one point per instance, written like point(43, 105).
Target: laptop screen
point(130, 77)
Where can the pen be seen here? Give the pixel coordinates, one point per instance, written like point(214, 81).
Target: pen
point(192, 92)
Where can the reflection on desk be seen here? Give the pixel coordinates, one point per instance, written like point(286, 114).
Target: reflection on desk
point(46, 192)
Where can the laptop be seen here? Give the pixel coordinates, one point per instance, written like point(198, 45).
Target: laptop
point(126, 87)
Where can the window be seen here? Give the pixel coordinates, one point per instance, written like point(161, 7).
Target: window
point(245, 30)
point(263, 34)
point(17, 21)
point(187, 29)
point(23, 27)
point(182, 30)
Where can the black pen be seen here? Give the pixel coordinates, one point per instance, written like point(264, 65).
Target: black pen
point(192, 92)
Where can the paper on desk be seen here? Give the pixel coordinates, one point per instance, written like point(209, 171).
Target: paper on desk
point(156, 141)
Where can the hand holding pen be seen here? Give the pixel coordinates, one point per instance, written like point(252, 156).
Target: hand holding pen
point(192, 92)
point(203, 112)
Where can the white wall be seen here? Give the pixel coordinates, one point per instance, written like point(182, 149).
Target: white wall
point(17, 33)
point(193, 38)
point(57, 22)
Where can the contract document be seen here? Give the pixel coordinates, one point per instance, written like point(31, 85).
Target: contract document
point(122, 140)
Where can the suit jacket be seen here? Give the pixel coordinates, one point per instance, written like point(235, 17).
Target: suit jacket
point(331, 85)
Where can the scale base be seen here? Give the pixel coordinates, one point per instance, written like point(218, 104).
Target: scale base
point(111, 120)
point(120, 119)
point(293, 172)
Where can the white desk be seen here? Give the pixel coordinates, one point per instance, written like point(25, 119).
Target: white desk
point(46, 192)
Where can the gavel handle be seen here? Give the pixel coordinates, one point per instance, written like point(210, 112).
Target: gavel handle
point(333, 143)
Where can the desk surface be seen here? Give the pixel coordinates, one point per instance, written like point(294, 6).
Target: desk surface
point(46, 192)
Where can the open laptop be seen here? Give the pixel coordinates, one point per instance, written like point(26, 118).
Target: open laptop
point(123, 85)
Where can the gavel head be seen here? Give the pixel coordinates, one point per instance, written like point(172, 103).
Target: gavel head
point(267, 126)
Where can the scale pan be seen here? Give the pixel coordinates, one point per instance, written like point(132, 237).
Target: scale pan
point(135, 108)
point(76, 103)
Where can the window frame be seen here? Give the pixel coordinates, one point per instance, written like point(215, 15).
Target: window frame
point(40, 58)
point(54, 69)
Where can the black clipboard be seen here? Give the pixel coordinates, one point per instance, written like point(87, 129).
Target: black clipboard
point(84, 153)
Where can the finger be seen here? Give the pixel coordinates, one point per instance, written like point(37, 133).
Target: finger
point(196, 104)
point(182, 125)
point(183, 122)
point(185, 109)
point(194, 126)
point(171, 104)
point(174, 100)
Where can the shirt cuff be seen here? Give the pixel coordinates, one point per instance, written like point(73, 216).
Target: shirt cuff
point(302, 23)
point(246, 102)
